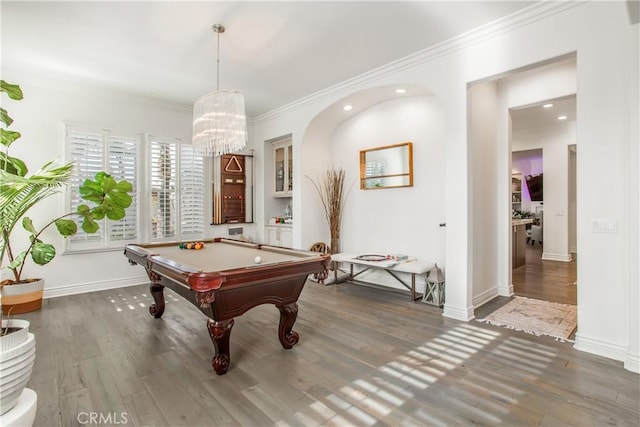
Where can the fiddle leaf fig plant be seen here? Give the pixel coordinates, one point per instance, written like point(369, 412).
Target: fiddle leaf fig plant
point(19, 193)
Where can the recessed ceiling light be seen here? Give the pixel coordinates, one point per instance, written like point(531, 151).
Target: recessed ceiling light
point(547, 105)
point(401, 91)
point(347, 107)
point(562, 117)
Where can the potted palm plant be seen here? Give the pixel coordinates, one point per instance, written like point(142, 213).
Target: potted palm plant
point(20, 192)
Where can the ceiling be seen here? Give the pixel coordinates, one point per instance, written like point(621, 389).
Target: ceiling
point(273, 52)
point(538, 116)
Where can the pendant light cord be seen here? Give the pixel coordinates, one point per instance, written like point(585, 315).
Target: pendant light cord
point(218, 64)
point(218, 29)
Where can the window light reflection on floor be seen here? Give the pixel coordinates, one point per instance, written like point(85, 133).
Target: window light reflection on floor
point(143, 301)
point(367, 400)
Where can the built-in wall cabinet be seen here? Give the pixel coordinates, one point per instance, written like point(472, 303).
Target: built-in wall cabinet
point(278, 205)
point(279, 235)
point(516, 192)
point(283, 168)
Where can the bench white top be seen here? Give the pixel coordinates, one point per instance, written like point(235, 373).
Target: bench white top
point(411, 265)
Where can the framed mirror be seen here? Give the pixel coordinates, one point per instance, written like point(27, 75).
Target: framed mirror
point(390, 166)
point(233, 189)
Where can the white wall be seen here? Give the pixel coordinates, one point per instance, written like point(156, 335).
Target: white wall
point(483, 152)
point(632, 359)
point(607, 54)
point(600, 34)
point(395, 220)
point(39, 117)
point(573, 245)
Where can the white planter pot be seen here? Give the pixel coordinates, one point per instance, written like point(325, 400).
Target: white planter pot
point(16, 364)
point(23, 414)
point(7, 342)
point(23, 297)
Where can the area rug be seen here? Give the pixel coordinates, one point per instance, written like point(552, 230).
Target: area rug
point(536, 317)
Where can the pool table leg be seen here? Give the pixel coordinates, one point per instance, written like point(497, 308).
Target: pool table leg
point(157, 309)
point(220, 331)
point(288, 316)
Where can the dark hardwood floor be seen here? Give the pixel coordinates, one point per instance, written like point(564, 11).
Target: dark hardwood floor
point(554, 281)
point(366, 357)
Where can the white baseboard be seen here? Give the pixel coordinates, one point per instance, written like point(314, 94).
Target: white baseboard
point(457, 313)
point(485, 297)
point(632, 363)
point(556, 257)
point(600, 348)
point(81, 288)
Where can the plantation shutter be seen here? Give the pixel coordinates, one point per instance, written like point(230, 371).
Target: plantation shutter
point(123, 165)
point(191, 193)
point(374, 169)
point(163, 158)
point(86, 149)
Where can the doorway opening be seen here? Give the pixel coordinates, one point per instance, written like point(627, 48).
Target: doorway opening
point(544, 157)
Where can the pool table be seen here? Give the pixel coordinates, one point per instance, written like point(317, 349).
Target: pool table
point(225, 279)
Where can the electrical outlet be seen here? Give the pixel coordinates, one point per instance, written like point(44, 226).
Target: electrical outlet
point(235, 231)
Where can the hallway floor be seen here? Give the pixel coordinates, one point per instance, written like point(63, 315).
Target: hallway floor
point(546, 280)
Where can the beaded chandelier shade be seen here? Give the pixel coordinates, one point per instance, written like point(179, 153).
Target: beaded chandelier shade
point(219, 119)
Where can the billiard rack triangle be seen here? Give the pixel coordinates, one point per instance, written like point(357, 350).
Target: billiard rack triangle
point(235, 167)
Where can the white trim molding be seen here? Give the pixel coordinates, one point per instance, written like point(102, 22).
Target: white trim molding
point(632, 363)
point(519, 19)
point(82, 288)
point(556, 257)
point(486, 296)
point(459, 314)
point(600, 348)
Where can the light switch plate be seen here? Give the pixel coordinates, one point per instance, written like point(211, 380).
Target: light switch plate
point(604, 225)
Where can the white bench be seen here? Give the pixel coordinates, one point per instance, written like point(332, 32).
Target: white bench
point(410, 266)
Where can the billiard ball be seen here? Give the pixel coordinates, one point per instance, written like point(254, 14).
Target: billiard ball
point(258, 259)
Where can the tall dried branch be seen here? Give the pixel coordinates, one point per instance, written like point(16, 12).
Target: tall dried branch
point(331, 192)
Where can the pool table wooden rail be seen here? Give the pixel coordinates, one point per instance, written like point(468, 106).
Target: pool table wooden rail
point(226, 294)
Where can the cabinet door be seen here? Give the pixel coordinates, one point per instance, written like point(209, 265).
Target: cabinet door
point(290, 167)
point(286, 237)
point(280, 172)
point(273, 236)
point(283, 168)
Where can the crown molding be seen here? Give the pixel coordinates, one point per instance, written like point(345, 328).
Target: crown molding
point(516, 20)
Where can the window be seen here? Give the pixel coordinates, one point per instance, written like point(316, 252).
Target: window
point(177, 180)
point(93, 152)
point(192, 194)
point(163, 190)
point(169, 192)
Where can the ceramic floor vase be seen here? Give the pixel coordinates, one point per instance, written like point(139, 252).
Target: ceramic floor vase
point(23, 297)
point(16, 362)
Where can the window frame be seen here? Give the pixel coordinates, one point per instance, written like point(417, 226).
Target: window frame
point(142, 188)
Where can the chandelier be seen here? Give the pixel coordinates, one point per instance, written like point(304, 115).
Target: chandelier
point(219, 119)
